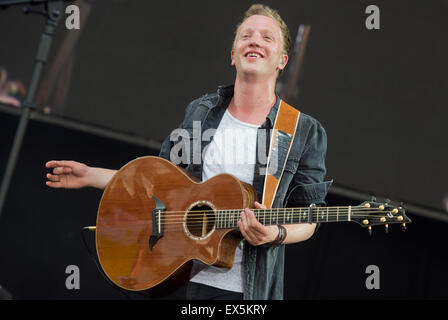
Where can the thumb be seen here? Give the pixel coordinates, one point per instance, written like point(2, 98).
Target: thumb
point(259, 205)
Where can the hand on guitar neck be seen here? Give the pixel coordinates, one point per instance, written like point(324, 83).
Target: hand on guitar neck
point(257, 234)
point(253, 231)
point(76, 175)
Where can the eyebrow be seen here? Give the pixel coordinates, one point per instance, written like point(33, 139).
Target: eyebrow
point(263, 31)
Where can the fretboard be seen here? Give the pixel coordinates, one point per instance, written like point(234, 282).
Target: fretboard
point(229, 218)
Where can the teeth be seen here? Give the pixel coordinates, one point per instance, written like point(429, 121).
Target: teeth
point(253, 55)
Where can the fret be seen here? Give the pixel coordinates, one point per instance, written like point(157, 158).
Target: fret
point(223, 219)
point(327, 214)
point(230, 219)
point(337, 214)
point(224, 222)
point(226, 219)
point(317, 220)
point(349, 212)
point(216, 219)
point(237, 217)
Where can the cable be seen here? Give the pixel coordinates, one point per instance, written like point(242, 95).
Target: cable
point(100, 270)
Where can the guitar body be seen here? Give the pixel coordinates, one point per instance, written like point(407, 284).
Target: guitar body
point(185, 227)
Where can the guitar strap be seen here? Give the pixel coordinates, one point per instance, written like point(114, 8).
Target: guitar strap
point(282, 138)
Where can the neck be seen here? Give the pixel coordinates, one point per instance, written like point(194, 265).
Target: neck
point(229, 218)
point(252, 99)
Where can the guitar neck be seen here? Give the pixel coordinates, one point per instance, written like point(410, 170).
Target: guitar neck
point(229, 218)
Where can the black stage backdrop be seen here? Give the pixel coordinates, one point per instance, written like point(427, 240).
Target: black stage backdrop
point(134, 65)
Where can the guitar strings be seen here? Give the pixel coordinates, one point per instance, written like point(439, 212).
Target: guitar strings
point(200, 214)
point(299, 208)
point(199, 219)
point(353, 212)
point(224, 216)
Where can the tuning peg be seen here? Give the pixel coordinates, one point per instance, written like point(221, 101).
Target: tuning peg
point(386, 226)
point(370, 230)
point(386, 201)
point(403, 227)
point(401, 204)
point(373, 199)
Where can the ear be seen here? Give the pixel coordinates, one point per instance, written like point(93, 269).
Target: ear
point(231, 57)
point(283, 61)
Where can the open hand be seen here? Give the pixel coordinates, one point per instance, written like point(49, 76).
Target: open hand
point(67, 174)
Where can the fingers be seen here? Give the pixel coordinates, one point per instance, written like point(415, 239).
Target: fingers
point(53, 177)
point(53, 181)
point(251, 229)
point(259, 205)
point(62, 170)
point(60, 163)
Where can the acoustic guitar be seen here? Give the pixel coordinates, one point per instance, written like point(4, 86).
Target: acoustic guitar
point(155, 218)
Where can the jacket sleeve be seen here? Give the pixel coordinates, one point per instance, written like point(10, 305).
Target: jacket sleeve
point(169, 141)
point(308, 186)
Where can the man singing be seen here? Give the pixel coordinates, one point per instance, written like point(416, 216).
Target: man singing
point(247, 108)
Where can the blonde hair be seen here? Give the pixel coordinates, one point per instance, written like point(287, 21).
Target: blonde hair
point(263, 10)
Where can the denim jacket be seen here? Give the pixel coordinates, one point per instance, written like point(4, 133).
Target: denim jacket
point(301, 184)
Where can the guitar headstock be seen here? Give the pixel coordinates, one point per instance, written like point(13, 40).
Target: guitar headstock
point(372, 213)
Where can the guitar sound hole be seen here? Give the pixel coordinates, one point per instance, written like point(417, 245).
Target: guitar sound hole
point(200, 221)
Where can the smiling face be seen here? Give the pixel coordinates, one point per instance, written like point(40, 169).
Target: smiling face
point(258, 47)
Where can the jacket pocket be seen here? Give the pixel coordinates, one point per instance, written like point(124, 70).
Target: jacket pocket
point(307, 194)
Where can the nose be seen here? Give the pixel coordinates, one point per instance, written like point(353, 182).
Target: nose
point(255, 39)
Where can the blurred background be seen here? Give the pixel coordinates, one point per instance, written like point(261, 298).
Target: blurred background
point(112, 90)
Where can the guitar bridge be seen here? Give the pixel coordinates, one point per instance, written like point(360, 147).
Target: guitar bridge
point(157, 222)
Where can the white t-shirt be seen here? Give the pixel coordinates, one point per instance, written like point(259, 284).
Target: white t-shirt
point(233, 151)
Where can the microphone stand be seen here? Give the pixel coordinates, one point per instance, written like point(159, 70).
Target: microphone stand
point(53, 11)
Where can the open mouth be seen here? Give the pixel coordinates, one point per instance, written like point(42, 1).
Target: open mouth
point(253, 55)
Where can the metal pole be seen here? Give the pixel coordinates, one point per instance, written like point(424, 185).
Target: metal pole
point(53, 13)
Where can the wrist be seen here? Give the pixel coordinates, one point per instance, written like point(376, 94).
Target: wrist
point(90, 177)
point(281, 236)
